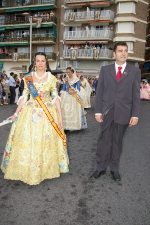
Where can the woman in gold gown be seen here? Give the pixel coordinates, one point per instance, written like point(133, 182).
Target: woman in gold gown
point(34, 150)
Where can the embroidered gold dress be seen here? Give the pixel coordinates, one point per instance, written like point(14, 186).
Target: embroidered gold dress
point(34, 151)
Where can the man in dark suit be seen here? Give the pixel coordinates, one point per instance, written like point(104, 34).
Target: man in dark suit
point(117, 106)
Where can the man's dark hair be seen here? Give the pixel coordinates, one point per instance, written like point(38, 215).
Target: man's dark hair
point(11, 73)
point(120, 43)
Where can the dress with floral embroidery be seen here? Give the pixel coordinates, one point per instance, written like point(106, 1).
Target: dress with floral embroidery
point(34, 151)
point(73, 114)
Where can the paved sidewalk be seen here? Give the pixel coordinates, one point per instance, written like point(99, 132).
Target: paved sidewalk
point(75, 199)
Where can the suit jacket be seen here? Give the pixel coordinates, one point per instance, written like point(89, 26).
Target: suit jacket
point(123, 95)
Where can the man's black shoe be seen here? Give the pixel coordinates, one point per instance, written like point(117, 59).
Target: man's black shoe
point(97, 174)
point(116, 176)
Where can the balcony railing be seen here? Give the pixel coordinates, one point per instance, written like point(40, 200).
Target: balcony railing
point(12, 3)
point(91, 15)
point(90, 34)
point(78, 1)
point(21, 20)
point(44, 37)
point(87, 53)
point(21, 56)
point(35, 37)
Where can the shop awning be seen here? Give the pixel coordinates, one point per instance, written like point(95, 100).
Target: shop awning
point(46, 7)
point(17, 27)
point(14, 44)
point(74, 42)
point(17, 9)
point(55, 30)
point(2, 28)
point(97, 4)
point(100, 42)
point(76, 4)
point(146, 65)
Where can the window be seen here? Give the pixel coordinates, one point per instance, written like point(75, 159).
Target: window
point(125, 27)
point(76, 64)
point(24, 67)
point(103, 63)
point(22, 50)
point(126, 7)
point(46, 49)
point(130, 47)
point(45, 32)
point(66, 64)
point(2, 19)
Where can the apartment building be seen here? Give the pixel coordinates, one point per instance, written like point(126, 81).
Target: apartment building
point(89, 29)
point(145, 67)
point(25, 25)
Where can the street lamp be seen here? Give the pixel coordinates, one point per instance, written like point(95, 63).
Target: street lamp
point(30, 20)
point(57, 55)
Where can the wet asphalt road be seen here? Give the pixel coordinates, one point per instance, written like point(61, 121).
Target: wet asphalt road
point(75, 199)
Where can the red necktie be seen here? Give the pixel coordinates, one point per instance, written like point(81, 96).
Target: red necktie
point(119, 74)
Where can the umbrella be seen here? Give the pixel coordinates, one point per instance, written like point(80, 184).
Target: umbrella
point(54, 72)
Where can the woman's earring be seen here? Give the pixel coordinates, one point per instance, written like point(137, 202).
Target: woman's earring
point(45, 69)
point(35, 68)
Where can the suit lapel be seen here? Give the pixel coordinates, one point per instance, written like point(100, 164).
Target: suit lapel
point(113, 72)
point(125, 73)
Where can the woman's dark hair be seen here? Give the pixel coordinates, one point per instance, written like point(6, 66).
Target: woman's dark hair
point(120, 43)
point(70, 68)
point(31, 67)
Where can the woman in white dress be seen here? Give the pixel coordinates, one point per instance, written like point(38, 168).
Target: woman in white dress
point(85, 84)
point(71, 103)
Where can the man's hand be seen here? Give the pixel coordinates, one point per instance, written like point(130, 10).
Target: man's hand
point(133, 121)
point(99, 118)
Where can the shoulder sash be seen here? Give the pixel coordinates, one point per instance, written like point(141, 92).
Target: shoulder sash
point(35, 95)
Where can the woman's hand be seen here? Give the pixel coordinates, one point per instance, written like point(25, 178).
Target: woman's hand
point(12, 117)
point(60, 123)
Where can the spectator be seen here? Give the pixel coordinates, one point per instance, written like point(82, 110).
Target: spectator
point(12, 83)
point(5, 85)
point(17, 87)
point(47, 16)
point(21, 87)
point(3, 74)
point(1, 91)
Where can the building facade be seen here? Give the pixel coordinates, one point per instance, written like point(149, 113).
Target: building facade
point(27, 25)
point(89, 29)
point(145, 67)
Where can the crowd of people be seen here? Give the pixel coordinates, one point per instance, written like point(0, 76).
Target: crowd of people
point(87, 46)
point(46, 16)
point(10, 87)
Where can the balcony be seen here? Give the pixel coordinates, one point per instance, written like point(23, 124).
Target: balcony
point(93, 3)
point(43, 38)
point(90, 34)
point(11, 40)
point(25, 20)
point(91, 15)
point(148, 31)
point(74, 54)
point(14, 3)
point(24, 56)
